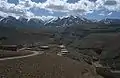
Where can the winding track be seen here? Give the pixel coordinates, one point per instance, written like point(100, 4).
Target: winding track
point(17, 57)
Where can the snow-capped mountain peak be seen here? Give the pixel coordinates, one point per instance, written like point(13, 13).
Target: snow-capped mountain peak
point(58, 22)
point(67, 21)
point(1, 18)
point(110, 21)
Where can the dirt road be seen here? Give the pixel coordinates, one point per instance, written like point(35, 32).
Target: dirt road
point(17, 57)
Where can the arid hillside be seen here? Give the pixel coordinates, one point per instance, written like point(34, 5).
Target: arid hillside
point(46, 66)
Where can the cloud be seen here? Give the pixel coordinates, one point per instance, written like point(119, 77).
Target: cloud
point(80, 7)
point(109, 13)
point(22, 9)
point(110, 2)
point(55, 7)
point(102, 13)
point(93, 0)
point(113, 6)
point(45, 18)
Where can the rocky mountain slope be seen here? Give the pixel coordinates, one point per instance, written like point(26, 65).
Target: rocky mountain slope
point(56, 22)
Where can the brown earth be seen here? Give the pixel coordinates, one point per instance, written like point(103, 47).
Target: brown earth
point(45, 66)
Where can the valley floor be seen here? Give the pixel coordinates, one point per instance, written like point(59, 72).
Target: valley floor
point(46, 65)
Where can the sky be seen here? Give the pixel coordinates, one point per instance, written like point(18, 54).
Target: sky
point(46, 9)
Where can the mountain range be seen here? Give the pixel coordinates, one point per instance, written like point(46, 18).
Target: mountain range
point(58, 22)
